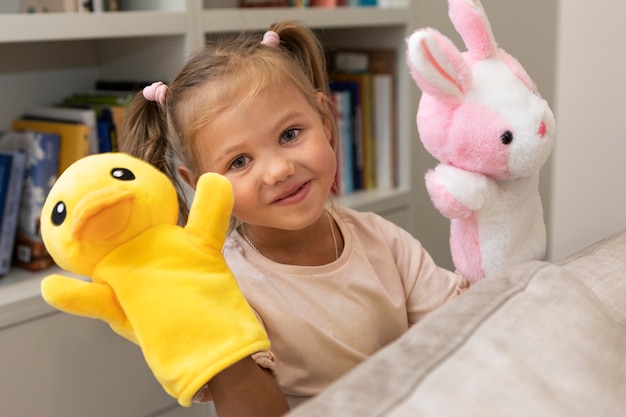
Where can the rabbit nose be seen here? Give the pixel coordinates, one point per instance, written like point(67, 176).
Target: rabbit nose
point(542, 129)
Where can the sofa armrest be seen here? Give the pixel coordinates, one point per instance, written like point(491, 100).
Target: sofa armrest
point(534, 341)
point(602, 267)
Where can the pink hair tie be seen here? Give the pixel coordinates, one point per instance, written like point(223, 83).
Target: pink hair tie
point(270, 38)
point(155, 92)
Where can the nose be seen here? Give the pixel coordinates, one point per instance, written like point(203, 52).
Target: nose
point(542, 129)
point(277, 169)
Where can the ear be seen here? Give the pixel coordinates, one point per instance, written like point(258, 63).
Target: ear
point(470, 20)
point(189, 177)
point(437, 66)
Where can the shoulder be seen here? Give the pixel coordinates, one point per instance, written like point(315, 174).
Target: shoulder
point(361, 219)
point(370, 224)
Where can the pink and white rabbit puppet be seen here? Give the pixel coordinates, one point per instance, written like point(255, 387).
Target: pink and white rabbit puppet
point(482, 118)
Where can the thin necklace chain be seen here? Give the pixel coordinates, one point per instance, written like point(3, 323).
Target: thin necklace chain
point(332, 233)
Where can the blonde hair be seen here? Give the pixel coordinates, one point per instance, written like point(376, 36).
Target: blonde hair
point(227, 72)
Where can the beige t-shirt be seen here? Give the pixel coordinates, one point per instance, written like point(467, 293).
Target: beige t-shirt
point(324, 320)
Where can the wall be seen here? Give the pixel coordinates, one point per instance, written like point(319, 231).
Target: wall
point(589, 163)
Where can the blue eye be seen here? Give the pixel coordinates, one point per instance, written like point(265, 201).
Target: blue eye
point(290, 134)
point(240, 162)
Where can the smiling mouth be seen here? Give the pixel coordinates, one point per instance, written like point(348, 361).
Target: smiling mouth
point(293, 193)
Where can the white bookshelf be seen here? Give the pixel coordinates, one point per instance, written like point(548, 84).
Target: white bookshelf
point(49, 56)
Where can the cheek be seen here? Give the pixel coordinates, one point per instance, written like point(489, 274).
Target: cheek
point(326, 160)
point(477, 146)
point(244, 202)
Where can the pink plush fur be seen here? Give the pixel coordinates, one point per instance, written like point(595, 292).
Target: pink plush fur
point(482, 118)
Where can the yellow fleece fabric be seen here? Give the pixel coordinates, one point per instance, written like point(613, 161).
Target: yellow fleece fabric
point(112, 217)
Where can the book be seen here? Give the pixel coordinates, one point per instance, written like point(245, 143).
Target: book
point(323, 3)
point(263, 3)
point(354, 144)
point(366, 145)
point(101, 97)
point(107, 139)
point(381, 63)
point(75, 138)
point(12, 165)
point(42, 156)
point(110, 108)
point(68, 114)
point(383, 66)
point(48, 6)
point(384, 130)
point(345, 162)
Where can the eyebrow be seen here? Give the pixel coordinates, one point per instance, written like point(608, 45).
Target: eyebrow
point(226, 153)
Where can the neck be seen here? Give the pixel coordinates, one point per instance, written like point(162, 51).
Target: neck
point(319, 244)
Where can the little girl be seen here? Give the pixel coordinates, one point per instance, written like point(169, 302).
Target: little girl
point(330, 285)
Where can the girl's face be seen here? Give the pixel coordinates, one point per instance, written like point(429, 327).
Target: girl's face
point(277, 154)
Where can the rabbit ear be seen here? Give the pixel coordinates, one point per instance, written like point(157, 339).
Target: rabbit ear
point(470, 20)
point(437, 66)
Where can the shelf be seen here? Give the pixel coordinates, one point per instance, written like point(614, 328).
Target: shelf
point(232, 20)
point(20, 297)
point(79, 26)
point(63, 52)
point(378, 200)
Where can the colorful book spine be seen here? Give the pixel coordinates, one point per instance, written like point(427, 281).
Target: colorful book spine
point(42, 159)
point(355, 143)
point(75, 138)
point(345, 159)
point(12, 165)
point(374, 70)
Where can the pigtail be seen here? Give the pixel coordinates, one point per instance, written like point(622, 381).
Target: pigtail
point(306, 49)
point(145, 136)
point(145, 132)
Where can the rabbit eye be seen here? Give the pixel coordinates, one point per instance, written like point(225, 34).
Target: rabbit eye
point(122, 174)
point(59, 213)
point(507, 137)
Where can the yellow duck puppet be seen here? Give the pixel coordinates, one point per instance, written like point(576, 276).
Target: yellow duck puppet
point(112, 217)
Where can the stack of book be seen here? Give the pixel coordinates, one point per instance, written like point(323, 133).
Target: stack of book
point(49, 138)
point(364, 92)
point(41, 152)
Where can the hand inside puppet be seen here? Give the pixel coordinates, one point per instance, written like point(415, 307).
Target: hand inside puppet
point(113, 217)
point(483, 119)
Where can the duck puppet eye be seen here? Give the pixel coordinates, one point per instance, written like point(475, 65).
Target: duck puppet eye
point(59, 213)
point(122, 174)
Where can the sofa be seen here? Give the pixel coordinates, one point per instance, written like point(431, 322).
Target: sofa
point(541, 339)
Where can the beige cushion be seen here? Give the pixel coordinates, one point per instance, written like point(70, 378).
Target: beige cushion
point(532, 342)
point(602, 267)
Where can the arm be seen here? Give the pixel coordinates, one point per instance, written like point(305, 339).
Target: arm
point(426, 285)
point(456, 193)
point(246, 389)
point(88, 299)
point(83, 298)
